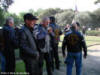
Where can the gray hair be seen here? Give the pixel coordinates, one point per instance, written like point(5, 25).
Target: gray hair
point(9, 19)
point(45, 19)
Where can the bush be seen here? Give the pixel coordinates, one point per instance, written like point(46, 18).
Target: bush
point(93, 33)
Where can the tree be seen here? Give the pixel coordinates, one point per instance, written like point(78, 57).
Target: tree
point(21, 15)
point(90, 19)
point(84, 18)
point(37, 13)
point(17, 19)
point(31, 11)
point(96, 18)
point(2, 17)
point(5, 4)
point(97, 1)
point(65, 17)
point(49, 12)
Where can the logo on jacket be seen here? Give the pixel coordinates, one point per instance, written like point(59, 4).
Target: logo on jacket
point(73, 39)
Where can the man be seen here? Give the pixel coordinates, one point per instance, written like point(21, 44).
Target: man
point(28, 48)
point(84, 30)
point(75, 44)
point(10, 43)
point(42, 35)
point(1, 51)
point(57, 32)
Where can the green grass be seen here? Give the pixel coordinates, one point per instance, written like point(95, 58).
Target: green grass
point(93, 33)
point(20, 66)
point(90, 40)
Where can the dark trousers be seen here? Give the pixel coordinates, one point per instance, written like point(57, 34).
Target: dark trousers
point(3, 62)
point(10, 65)
point(10, 62)
point(32, 66)
point(55, 56)
point(52, 59)
point(46, 57)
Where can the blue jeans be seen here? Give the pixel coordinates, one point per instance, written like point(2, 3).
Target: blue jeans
point(71, 58)
point(3, 62)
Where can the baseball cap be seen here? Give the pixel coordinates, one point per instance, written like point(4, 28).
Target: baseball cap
point(29, 16)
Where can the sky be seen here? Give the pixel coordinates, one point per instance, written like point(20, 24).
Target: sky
point(24, 5)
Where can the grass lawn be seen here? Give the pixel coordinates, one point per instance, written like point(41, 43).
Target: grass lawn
point(20, 66)
point(90, 40)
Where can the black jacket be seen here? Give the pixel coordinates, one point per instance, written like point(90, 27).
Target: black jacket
point(74, 41)
point(10, 41)
point(28, 48)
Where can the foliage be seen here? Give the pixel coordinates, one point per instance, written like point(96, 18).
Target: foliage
point(65, 17)
point(84, 18)
point(97, 1)
point(17, 19)
point(93, 33)
point(5, 4)
point(95, 18)
point(2, 17)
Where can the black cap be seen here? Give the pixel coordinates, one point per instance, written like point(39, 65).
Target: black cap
point(30, 16)
point(52, 18)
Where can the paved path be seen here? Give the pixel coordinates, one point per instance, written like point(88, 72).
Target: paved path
point(91, 65)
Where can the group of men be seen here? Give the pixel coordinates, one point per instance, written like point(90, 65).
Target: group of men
point(39, 43)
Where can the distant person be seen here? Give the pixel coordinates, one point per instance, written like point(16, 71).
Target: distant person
point(10, 44)
point(43, 32)
point(75, 43)
point(28, 49)
point(84, 30)
point(57, 32)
